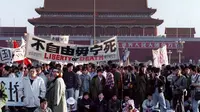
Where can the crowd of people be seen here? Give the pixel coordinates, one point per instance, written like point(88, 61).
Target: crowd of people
point(106, 88)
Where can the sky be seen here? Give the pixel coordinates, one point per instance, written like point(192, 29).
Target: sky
point(175, 13)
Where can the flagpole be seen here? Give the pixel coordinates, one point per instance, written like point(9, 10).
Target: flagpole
point(0, 26)
point(177, 29)
point(14, 27)
point(94, 22)
point(177, 32)
point(190, 30)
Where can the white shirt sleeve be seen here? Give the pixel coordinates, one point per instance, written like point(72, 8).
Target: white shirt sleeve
point(42, 89)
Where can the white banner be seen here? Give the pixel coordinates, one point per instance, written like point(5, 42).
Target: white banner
point(12, 85)
point(164, 56)
point(6, 55)
point(61, 39)
point(160, 57)
point(18, 53)
point(42, 49)
point(156, 60)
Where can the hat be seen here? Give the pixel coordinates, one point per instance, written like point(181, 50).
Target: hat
point(42, 100)
point(71, 101)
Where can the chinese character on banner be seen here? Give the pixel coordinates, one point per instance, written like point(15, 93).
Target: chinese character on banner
point(67, 51)
point(61, 39)
point(96, 49)
point(5, 55)
point(82, 51)
point(110, 45)
point(11, 89)
point(38, 44)
point(52, 48)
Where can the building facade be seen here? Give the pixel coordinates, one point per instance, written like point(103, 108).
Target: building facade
point(9, 34)
point(130, 20)
point(113, 17)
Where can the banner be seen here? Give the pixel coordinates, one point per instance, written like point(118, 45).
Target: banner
point(42, 49)
point(61, 39)
point(12, 85)
point(125, 57)
point(156, 58)
point(19, 53)
point(164, 56)
point(160, 57)
point(6, 55)
point(147, 45)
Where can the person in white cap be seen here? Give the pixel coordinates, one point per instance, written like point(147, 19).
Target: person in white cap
point(71, 104)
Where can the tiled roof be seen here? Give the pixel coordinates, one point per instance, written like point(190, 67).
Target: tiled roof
point(81, 21)
point(101, 5)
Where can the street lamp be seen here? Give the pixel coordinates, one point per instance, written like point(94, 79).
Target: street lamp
point(180, 48)
point(169, 54)
point(94, 26)
point(10, 42)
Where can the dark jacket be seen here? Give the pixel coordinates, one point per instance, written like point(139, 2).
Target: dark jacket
point(160, 83)
point(150, 85)
point(141, 89)
point(78, 82)
point(83, 102)
point(70, 79)
point(129, 79)
point(97, 86)
point(114, 106)
point(101, 106)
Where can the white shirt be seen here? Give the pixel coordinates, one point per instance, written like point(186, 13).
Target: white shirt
point(147, 105)
point(31, 92)
point(104, 74)
point(12, 75)
point(44, 77)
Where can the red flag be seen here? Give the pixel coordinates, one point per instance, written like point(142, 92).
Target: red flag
point(27, 62)
point(15, 44)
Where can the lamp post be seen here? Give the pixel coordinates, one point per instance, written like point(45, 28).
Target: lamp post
point(10, 42)
point(169, 54)
point(94, 15)
point(180, 47)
